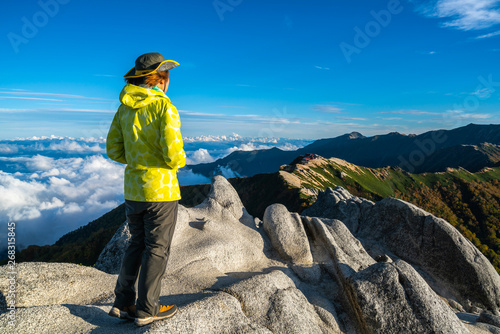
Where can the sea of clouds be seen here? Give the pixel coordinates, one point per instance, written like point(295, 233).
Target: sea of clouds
point(50, 186)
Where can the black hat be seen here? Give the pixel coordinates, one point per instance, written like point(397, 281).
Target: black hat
point(149, 63)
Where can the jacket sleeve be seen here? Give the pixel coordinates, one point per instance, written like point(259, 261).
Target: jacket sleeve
point(114, 142)
point(171, 138)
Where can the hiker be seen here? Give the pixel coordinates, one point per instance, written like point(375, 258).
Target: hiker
point(145, 135)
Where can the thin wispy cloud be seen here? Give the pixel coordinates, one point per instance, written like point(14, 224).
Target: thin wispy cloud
point(67, 96)
point(17, 110)
point(409, 112)
point(463, 14)
point(483, 93)
point(327, 108)
point(27, 98)
point(344, 103)
point(242, 118)
point(322, 68)
point(197, 113)
point(353, 118)
point(41, 110)
point(468, 116)
point(391, 118)
point(491, 34)
point(106, 75)
point(238, 107)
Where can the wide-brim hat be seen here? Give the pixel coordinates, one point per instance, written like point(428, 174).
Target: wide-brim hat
point(150, 63)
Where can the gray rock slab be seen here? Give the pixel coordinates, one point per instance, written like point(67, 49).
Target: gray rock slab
point(338, 203)
point(402, 230)
point(220, 313)
point(109, 260)
point(287, 234)
point(437, 247)
point(40, 283)
point(394, 298)
point(337, 244)
point(489, 318)
point(272, 300)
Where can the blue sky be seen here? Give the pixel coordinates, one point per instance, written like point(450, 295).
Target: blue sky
point(295, 69)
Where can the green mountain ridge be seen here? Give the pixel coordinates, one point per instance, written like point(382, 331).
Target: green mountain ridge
point(472, 147)
point(469, 201)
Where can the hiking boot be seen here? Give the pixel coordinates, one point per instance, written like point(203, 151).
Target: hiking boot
point(126, 312)
point(166, 311)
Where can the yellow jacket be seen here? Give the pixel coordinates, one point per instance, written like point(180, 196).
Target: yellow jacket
point(145, 135)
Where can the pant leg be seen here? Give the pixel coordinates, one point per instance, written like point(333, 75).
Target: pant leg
point(131, 262)
point(159, 225)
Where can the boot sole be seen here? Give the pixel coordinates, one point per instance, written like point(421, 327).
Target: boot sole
point(146, 321)
point(117, 313)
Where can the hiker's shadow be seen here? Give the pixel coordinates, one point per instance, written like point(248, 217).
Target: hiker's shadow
point(181, 300)
point(97, 315)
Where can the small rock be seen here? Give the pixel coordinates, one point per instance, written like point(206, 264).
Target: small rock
point(489, 318)
point(308, 273)
point(382, 258)
point(287, 234)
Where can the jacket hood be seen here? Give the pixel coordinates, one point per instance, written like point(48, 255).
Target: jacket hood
point(137, 97)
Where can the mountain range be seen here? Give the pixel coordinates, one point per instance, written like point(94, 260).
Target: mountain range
point(469, 201)
point(472, 147)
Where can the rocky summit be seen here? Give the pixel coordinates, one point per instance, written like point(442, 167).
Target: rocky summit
point(346, 265)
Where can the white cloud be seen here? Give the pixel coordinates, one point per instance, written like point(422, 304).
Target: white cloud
point(55, 203)
point(227, 172)
point(16, 197)
point(464, 14)
point(464, 116)
point(198, 157)
point(352, 118)
point(492, 34)
point(483, 93)
point(68, 96)
point(73, 146)
point(233, 137)
point(54, 196)
point(248, 147)
point(52, 185)
point(8, 148)
point(326, 108)
point(70, 208)
point(289, 147)
point(27, 98)
point(40, 163)
point(106, 75)
point(61, 110)
point(410, 112)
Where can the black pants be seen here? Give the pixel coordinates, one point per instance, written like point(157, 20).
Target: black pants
point(152, 226)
